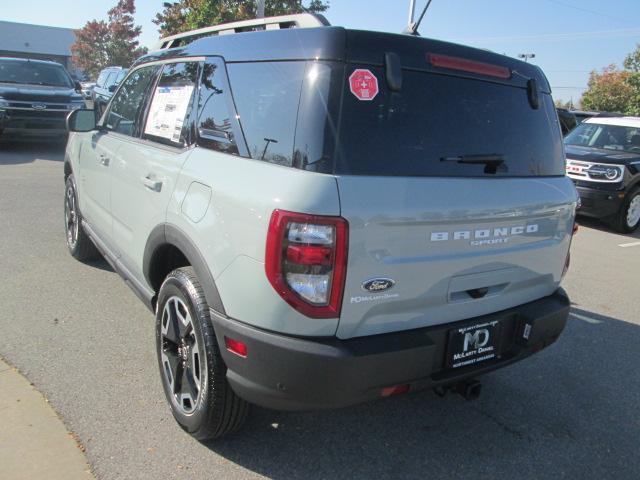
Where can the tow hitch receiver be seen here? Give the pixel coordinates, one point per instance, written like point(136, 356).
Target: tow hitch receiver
point(469, 389)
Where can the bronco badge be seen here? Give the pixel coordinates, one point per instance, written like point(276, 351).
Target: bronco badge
point(378, 284)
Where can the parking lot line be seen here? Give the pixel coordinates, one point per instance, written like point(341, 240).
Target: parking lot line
point(632, 244)
point(584, 318)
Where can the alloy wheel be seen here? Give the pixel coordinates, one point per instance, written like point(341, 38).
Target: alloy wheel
point(182, 364)
point(71, 216)
point(633, 212)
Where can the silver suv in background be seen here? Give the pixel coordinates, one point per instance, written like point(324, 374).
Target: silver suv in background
point(320, 216)
point(105, 85)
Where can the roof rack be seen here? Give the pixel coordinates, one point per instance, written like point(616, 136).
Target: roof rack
point(301, 20)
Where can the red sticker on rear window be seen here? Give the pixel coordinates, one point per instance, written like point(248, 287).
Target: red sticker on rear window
point(363, 84)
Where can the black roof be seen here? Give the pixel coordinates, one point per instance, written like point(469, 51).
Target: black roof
point(340, 44)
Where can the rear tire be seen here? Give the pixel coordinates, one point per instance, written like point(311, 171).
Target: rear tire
point(78, 242)
point(628, 219)
point(191, 368)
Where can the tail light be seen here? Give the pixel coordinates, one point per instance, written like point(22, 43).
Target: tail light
point(306, 261)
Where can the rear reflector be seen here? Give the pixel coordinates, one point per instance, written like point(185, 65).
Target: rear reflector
point(309, 254)
point(235, 346)
point(465, 65)
point(397, 390)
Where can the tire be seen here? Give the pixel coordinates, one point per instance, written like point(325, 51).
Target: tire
point(78, 242)
point(628, 219)
point(187, 350)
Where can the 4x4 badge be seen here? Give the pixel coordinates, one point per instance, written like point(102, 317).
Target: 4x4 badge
point(378, 284)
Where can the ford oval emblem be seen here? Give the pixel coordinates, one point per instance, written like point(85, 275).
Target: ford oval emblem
point(39, 106)
point(378, 284)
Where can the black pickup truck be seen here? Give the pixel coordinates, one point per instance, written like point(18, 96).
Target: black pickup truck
point(35, 98)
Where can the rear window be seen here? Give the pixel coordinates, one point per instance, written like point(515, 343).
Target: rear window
point(437, 120)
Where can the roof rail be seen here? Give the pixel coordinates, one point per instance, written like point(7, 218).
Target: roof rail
point(301, 20)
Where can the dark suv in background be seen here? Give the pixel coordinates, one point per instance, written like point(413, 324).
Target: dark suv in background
point(35, 97)
point(107, 83)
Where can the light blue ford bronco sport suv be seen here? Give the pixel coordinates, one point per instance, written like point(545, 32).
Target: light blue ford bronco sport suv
point(320, 216)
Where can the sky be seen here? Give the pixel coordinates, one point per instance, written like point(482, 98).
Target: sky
point(570, 38)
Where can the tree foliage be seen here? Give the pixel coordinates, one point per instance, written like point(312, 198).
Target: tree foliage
point(615, 90)
point(608, 91)
point(184, 15)
point(100, 44)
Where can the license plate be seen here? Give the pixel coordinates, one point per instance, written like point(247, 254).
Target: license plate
point(473, 344)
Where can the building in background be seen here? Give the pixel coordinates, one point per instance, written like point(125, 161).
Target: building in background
point(40, 42)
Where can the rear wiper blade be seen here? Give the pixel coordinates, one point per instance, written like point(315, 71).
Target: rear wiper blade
point(491, 161)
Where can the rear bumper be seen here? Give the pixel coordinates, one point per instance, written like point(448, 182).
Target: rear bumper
point(292, 373)
point(599, 203)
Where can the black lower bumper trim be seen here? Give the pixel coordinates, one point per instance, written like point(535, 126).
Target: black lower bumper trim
point(599, 203)
point(292, 373)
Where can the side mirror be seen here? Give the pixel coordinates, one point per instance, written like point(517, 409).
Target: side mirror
point(77, 86)
point(113, 88)
point(81, 120)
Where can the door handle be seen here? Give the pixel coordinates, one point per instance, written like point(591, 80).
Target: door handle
point(151, 184)
point(104, 160)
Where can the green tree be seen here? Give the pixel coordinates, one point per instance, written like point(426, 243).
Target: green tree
point(632, 61)
point(115, 42)
point(609, 91)
point(615, 90)
point(184, 15)
point(632, 65)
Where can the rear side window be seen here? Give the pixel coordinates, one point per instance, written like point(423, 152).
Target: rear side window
point(169, 117)
point(110, 79)
point(101, 78)
point(267, 95)
point(439, 125)
point(127, 105)
point(215, 121)
point(120, 76)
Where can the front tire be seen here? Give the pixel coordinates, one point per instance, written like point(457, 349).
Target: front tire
point(78, 242)
point(191, 368)
point(628, 219)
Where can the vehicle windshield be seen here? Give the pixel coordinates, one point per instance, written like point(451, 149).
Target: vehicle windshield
point(607, 137)
point(34, 73)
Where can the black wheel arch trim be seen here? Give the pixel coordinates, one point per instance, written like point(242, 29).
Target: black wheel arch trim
point(168, 234)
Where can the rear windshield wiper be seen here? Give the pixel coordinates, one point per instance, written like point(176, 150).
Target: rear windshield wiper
point(490, 161)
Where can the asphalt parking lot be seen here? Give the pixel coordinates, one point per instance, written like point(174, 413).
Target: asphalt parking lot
point(85, 340)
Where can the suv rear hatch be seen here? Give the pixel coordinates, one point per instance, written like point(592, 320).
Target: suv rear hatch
point(453, 186)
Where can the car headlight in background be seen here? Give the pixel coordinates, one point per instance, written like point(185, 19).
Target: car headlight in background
point(605, 172)
point(3, 103)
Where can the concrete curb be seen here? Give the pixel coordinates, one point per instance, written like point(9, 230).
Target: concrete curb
point(34, 443)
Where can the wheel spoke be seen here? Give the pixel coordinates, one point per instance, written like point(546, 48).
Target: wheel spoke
point(170, 328)
point(183, 318)
point(178, 375)
point(189, 386)
point(195, 364)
